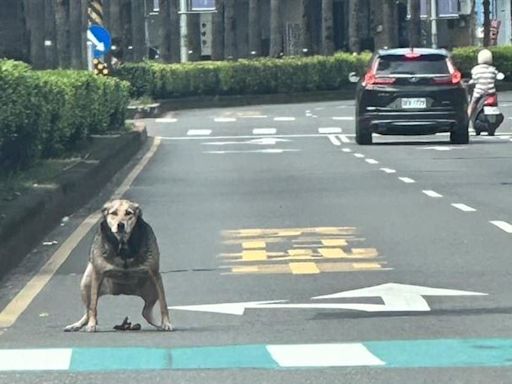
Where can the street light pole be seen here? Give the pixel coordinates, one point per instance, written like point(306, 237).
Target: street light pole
point(183, 31)
point(433, 22)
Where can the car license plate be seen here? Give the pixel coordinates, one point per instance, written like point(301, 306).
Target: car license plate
point(491, 110)
point(417, 103)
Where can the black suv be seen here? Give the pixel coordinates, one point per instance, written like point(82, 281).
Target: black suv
point(411, 92)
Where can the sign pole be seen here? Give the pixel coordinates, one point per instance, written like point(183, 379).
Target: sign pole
point(90, 56)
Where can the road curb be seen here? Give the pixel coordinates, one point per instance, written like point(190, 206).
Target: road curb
point(28, 219)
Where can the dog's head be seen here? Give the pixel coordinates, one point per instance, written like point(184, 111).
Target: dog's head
point(121, 217)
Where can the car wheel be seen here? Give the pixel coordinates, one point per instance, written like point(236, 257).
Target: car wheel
point(363, 135)
point(460, 135)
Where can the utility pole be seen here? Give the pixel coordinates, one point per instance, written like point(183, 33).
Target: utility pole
point(433, 22)
point(487, 23)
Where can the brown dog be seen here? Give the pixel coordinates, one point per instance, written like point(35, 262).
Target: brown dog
point(124, 260)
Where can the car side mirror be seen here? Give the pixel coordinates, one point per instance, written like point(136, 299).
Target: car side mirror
point(353, 78)
point(500, 76)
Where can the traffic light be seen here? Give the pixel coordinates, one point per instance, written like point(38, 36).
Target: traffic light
point(100, 68)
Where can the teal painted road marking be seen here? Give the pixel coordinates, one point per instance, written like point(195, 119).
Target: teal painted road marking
point(384, 354)
point(238, 356)
point(443, 353)
point(119, 359)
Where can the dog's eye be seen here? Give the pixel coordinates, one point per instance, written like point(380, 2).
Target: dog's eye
point(114, 213)
point(129, 213)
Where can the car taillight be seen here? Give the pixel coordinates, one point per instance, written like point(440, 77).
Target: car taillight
point(491, 101)
point(371, 79)
point(456, 76)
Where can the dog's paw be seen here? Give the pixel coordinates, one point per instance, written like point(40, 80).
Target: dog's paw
point(91, 328)
point(166, 327)
point(72, 328)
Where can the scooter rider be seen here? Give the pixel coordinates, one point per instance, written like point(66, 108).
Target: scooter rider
point(483, 76)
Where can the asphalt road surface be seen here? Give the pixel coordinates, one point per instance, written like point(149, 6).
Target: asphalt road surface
point(289, 255)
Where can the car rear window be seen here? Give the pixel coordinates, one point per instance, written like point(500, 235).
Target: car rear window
point(420, 65)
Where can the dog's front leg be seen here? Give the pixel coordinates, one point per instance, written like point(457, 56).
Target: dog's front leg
point(164, 311)
point(96, 280)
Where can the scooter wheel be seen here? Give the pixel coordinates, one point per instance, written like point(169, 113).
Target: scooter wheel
point(491, 132)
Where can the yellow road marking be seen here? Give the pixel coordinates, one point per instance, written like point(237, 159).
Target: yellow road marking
point(334, 242)
point(22, 300)
point(245, 269)
point(304, 268)
point(300, 252)
point(332, 252)
point(254, 255)
point(253, 244)
point(366, 265)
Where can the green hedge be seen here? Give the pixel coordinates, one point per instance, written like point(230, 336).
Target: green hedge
point(259, 76)
point(46, 113)
point(465, 58)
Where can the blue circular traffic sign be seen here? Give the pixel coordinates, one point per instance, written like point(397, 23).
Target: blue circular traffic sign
point(100, 37)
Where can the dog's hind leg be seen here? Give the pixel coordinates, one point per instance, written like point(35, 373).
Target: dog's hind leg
point(85, 289)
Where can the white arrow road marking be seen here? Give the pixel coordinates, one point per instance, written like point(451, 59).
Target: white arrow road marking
point(396, 298)
point(97, 44)
point(269, 150)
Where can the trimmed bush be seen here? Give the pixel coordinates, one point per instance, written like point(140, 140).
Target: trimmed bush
point(258, 76)
point(46, 113)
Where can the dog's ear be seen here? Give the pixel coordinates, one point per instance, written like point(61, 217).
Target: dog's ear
point(106, 208)
point(137, 210)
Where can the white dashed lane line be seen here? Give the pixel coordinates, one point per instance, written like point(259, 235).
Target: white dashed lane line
point(284, 118)
point(372, 161)
point(344, 118)
point(407, 180)
point(166, 120)
point(264, 131)
point(359, 155)
point(433, 194)
point(388, 170)
point(503, 225)
point(463, 207)
point(328, 130)
point(346, 150)
point(199, 132)
point(224, 119)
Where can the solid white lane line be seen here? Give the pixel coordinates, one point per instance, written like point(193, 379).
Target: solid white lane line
point(432, 194)
point(464, 207)
point(407, 180)
point(166, 120)
point(344, 139)
point(35, 359)
point(284, 118)
point(372, 161)
point(224, 119)
point(346, 150)
point(334, 140)
point(199, 132)
point(359, 155)
point(170, 138)
point(388, 170)
point(503, 225)
point(329, 130)
point(323, 355)
point(264, 131)
point(344, 118)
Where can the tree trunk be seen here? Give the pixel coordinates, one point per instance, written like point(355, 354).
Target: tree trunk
point(276, 36)
point(229, 30)
point(50, 35)
point(353, 27)
point(165, 30)
point(327, 27)
point(175, 32)
point(75, 33)
point(62, 26)
point(386, 29)
point(487, 23)
point(254, 29)
point(36, 33)
point(218, 32)
point(307, 45)
point(415, 24)
point(138, 18)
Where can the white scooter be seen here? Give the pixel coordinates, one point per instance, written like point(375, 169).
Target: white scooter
point(487, 117)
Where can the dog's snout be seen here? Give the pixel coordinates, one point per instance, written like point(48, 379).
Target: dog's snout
point(120, 227)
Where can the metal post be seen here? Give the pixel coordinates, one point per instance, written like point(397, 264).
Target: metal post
point(183, 31)
point(90, 56)
point(433, 21)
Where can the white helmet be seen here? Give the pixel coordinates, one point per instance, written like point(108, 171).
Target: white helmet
point(485, 57)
